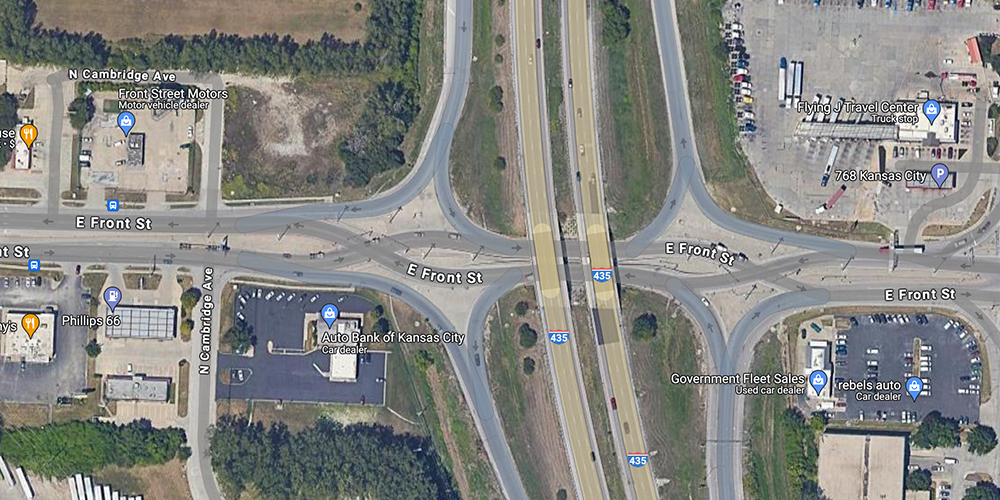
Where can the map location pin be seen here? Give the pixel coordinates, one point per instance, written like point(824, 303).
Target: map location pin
point(931, 110)
point(329, 313)
point(914, 386)
point(817, 379)
point(28, 134)
point(30, 323)
point(939, 173)
point(112, 296)
point(126, 120)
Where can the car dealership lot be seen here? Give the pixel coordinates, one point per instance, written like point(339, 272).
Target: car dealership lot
point(884, 351)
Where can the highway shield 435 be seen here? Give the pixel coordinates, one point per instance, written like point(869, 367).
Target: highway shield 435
point(638, 459)
point(558, 336)
point(601, 275)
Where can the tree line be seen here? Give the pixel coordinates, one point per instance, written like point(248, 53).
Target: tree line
point(326, 460)
point(391, 46)
point(79, 447)
point(8, 119)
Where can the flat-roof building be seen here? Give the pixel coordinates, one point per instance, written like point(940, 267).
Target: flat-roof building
point(943, 130)
point(343, 367)
point(22, 155)
point(819, 359)
point(144, 322)
point(136, 154)
point(37, 348)
point(136, 388)
point(862, 466)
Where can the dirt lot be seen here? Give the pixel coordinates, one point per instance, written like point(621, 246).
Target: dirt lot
point(673, 416)
point(526, 402)
point(158, 482)
point(281, 138)
point(303, 19)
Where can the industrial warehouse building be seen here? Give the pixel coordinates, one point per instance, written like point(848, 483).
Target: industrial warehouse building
point(858, 465)
point(944, 130)
point(144, 322)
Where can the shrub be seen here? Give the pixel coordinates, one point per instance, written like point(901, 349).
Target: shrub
point(529, 337)
point(528, 365)
point(645, 326)
point(521, 308)
point(496, 98)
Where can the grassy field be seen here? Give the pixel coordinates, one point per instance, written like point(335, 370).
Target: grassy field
point(157, 482)
point(427, 392)
point(302, 19)
point(429, 74)
point(636, 153)
point(526, 403)
point(269, 152)
point(945, 230)
point(478, 183)
point(587, 349)
point(673, 415)
point(551, 46)
point(766, 478)
point(731, 181)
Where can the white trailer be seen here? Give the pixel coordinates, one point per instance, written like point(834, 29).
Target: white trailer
point(789, 85)
point(820, 115)
point(88, 488)
point(833, 158)
point(25, 486)
point(78, 481)
point(107, 492)
point(72, 488)
point(8, 477)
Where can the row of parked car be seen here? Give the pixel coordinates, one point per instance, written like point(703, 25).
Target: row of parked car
point(739, 71)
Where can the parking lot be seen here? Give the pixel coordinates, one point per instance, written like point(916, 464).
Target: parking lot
point(885, 351)
point(295, 376)
point(866, 55)
point(66, 374)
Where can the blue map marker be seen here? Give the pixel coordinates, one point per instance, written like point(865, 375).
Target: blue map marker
point(939, 173)
point(914, 386)
point(126, 121)
point(817, 379)
point(112, 296)
point(329, 313)
point(931, 110)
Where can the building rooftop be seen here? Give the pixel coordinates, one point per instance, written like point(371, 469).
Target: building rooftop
point(844, 130)
point(136, 388)
point(144, 322)
point(343, 367)
point(39, 348)
point(857, 466)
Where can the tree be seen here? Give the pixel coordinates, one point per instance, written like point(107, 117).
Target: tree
point(187, 326)
point(424, 359)
point(561, 494)
point(81, 111)
point(8, 119)
point(811, 491)
point(93, 348)
point(919, 479)
point(983, 490)
point(528, 365)
point(981, 439)
point(239, 338)
point(936, 431)
point(644, 327)
point(381, 326)
point(500, 163)
point(379, 310)
point(529, 337)
point(190, 298)
point(521, 308)
point(616, 26)
point(499, 40)
point(498, 58)
point(496, 98)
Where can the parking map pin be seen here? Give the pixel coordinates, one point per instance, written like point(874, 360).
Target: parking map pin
point(817, 379)
point(30, 323)
point(914, 386)
point(931, 110)
point(939, 173)
point(126, 121)
point(329, 313)
point(112, 296)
